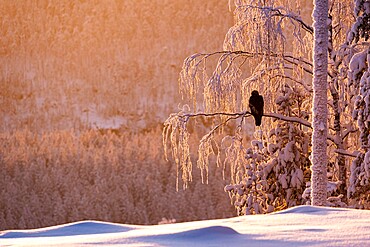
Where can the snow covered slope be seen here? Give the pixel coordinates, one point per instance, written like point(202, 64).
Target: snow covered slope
point(299, 226)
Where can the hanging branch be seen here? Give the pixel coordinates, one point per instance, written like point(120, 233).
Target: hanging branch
point(286, 56)
point(278, 12)
point(175, 131)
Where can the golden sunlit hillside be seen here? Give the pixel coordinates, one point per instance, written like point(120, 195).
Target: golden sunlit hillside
point(99, 63)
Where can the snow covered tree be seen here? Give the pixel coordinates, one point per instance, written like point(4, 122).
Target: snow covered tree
point(359, 83)
point(256, 56)
point(276, 169)
point(320, 108)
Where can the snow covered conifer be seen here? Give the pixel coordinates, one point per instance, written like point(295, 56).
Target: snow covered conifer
point(359, 82)
point(276, 168)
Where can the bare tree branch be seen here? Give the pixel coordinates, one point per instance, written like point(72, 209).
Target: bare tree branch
point(346, 153)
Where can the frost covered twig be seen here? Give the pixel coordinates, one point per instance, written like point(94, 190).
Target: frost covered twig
point(203, 114)
point(309, 89)
point(288, 119)
point(245, 114)
point(286, 56)
point(175, 132)
point(278, 12)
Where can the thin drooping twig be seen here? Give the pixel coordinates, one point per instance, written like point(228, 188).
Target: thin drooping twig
point(296, 81)
point(277, 12)
point(305, 64)
point(288, 57)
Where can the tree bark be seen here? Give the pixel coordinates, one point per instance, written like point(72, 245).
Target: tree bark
point(320, 100)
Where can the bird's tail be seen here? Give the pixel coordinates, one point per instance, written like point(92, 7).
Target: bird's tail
point(258, 121)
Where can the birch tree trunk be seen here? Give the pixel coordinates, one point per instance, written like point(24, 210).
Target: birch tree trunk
point(320, 109)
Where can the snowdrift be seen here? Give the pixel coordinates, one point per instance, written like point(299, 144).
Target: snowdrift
point(298, 226)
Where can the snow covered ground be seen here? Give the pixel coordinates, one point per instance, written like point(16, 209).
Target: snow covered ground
point(299, 226)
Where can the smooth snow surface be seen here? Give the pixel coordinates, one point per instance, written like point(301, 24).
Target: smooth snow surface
point(299, 226)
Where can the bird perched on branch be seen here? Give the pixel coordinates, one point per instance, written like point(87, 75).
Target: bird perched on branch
point(256, 106)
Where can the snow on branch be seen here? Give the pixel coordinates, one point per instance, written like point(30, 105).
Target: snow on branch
point(286, 56)
point(264, 27)
point(280, 12)
point(288, 119)
point(306, 87)
point(220, 90)
point(237, 115)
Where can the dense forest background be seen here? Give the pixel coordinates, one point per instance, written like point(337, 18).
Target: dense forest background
point(84, 89)
point(69, 64)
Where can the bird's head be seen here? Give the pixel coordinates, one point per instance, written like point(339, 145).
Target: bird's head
point(255, 93)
